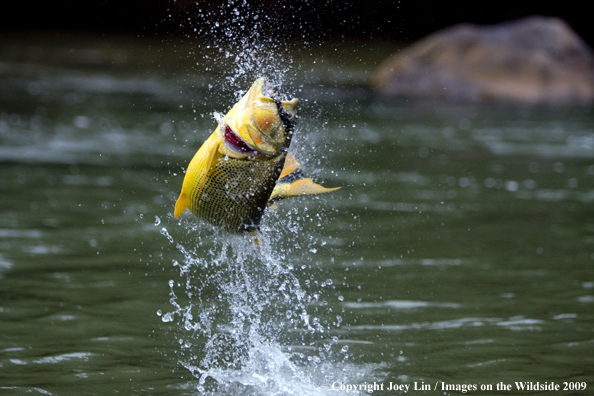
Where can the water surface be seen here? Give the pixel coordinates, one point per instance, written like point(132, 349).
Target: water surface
point(459, 249)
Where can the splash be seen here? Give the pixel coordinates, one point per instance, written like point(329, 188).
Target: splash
point(253, 318)
point(238, 42)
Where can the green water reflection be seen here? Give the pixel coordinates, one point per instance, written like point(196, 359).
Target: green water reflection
point(460, 248)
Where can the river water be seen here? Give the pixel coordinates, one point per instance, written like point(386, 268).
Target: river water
point(459, 252)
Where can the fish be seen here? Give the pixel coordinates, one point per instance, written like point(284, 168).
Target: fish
point(245, 167)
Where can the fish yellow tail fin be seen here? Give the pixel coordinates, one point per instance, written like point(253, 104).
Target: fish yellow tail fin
point(180, 205)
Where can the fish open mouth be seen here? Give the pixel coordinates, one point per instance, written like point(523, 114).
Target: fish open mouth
point(236, 144)
point(259, 124)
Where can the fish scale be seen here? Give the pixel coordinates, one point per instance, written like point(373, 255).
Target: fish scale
point(236, 192)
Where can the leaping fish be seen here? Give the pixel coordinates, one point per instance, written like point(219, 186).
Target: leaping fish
point(244, 166)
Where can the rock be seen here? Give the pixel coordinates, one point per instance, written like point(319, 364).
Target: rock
point(536, 60)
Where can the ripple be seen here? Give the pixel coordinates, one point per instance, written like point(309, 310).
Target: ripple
point(18, 362)
point(400, 304)
point(565, 316)
point(63, 358)
point(424, 262)
point(27, 389)
point(513, 323)
point(102, 181)
point(5, 265)
point(520, 324)
point(539, 149)
point(421, 207)
point(586, 299)
point(489, 362)
point(8, 233)
point(446, 324)
point(42, 249)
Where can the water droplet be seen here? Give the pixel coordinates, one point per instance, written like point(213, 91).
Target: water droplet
point(166, 234)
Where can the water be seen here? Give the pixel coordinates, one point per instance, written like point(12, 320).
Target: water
point(459, 249)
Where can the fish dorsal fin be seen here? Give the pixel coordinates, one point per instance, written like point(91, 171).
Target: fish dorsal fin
point(292, 183)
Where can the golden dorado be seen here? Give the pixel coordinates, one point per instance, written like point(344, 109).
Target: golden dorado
point(244, 165)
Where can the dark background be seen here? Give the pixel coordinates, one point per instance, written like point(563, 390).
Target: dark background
point(404, 20)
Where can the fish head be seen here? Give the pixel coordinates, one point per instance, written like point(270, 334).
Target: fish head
point(259, 124)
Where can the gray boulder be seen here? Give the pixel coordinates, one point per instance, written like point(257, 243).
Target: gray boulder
point(536, 60)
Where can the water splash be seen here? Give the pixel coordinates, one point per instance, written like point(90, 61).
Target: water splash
point(236, 43)
point(253, 318)
point(250, 318)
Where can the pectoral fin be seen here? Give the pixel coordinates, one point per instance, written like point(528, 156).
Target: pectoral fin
point(292, 183)
point(298, 188)
point(307, 187)
point(180, 205)
point(291, 165)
